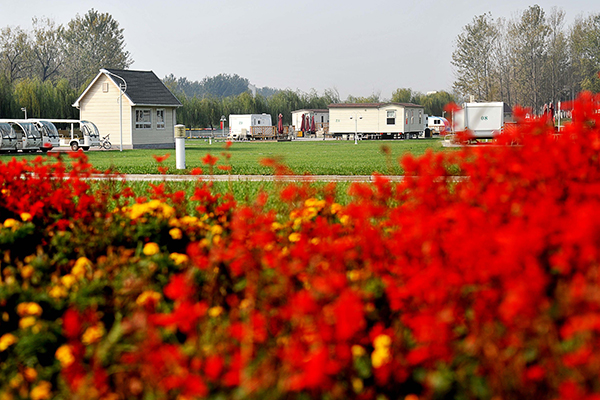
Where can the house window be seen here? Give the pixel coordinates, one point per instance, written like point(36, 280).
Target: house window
point(143, 119)
point(420, 118)
point(391, 117)
point(160, 118)
point(105, 87)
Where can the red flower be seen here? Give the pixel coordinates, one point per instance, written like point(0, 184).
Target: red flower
point(210, 160)
point(160, 159)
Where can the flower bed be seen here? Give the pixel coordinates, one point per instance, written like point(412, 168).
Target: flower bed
point(433, 287)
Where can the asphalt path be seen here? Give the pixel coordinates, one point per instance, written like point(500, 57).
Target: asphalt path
point(247, 178)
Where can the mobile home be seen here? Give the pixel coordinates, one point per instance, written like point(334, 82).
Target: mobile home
point(240, 125)
point(377, 120)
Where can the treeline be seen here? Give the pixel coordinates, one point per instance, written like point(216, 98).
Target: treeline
point(46, 68)
point(207, 111)
point(530, 59)
point(222, 85)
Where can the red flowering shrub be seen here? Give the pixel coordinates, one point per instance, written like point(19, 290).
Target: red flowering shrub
point(483, 285)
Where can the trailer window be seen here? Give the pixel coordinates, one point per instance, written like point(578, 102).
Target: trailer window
point(391, 117)
point(143, 119)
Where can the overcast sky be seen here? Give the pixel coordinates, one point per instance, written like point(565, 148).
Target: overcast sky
point(356, 47)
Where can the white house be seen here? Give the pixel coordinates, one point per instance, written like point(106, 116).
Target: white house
point(148, 108)
point(377, 120)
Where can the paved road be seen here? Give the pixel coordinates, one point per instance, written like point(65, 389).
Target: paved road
point(250, 178)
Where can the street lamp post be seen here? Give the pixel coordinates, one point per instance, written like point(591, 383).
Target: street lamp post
point(122, 89)
point(24, 109)
point(223, 120)
point(356, 118)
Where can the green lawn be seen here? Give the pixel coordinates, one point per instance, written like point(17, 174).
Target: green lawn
point(315, 157)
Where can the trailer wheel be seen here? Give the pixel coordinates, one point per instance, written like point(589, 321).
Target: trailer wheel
point(74, 146)
point(85, 148)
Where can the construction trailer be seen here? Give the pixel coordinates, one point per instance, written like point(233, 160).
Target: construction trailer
point(240, 125)
point(483, 120)
point(377, 120)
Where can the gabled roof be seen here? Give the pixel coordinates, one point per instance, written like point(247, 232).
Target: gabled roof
point(144, 88)
point(372, 105)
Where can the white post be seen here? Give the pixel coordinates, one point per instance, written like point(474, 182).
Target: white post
point(121, 117)
point(180, 146)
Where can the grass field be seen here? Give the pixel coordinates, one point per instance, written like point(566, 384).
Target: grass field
point(314, 157)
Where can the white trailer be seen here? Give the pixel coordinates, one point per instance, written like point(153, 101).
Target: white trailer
point(240, 124)
point(483, 120)
point(377, 120)
point(437, 125)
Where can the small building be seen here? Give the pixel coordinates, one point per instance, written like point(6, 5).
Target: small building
point(377, 120)
point(241, 126)
point(148, 114)
point(321, 118)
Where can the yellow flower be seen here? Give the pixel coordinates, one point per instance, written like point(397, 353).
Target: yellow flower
point(176, 233)
point(27, 271)
point(26, 216)
point(294, 237)
point(30, 374)
point(335, 208)
point(81, 266)
point(7, 340)
point(68, 280)
point(93, 334)
point(275, 226)
point(9, 223)
point(382, 354)
point(178, 258)
point(26, 322)
point(58, 292)
point(354, 275)
point(216, 230)
point(312, 202)
point(147, 296)
point(358, 351)
point(357, 385)
point(150, 249)
point(29, 308)
point(41, 391)
point(382, 341)
point(64, 354)
point(215, 311)
point(380, 357)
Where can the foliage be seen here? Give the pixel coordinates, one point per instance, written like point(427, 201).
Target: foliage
point(430, 288)
point(93, 41)
point(529, 59)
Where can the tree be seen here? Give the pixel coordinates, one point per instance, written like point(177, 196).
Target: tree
point(14, 53)
point(46, 44)
point(557, 64)
point(403, 95)
point(472, 58)
point(585, 53)
point(92, 42)
point(530, 34)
